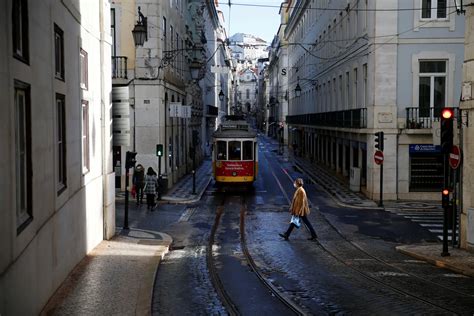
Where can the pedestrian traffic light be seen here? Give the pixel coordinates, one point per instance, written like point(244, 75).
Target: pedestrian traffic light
point(447, 117)
point(379, 140)
point(445, 198)
point(130, 159)
point(159, 150)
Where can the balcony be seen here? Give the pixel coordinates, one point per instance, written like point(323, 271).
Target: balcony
point(423, 118)
point(356, 118)
point(119, 67)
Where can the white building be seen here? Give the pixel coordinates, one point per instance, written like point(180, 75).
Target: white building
point(368, 66)
point(247, 48)
point(57, 200)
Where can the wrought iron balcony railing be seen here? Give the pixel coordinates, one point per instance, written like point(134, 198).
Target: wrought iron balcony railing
point(119, 67)
point(418, 118)
point(356, 118)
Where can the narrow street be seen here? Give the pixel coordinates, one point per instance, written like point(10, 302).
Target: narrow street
point(353, 267)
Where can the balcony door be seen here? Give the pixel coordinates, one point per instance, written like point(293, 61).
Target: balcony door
point(432, 87)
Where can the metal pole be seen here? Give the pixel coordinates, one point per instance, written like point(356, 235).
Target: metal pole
point(455, 212)
point(381, 185)
point(125, 219)
point(445, 252)
point(194, 171)
point(159, 178)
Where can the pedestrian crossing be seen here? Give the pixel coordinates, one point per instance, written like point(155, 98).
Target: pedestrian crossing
point(432, 220)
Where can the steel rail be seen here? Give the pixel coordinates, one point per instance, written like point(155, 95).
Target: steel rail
point(362, 273)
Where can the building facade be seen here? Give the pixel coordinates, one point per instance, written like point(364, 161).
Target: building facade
point(166, 104)
point(466, 136)
point(57, 196)
point(367, 66)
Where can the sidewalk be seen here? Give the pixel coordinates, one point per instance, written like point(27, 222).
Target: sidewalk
point(460, 261)
point(116, 278)
point(182, 191)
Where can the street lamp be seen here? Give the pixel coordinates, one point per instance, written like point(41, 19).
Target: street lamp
point(140, 34)
point(297, 90)
point(221, 96)
point(195, 67)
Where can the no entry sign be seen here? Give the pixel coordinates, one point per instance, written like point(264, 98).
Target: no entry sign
point(378, 157)
point(455, 157)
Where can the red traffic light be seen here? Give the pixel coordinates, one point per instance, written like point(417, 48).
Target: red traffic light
point(445, 192)
point(447, 113)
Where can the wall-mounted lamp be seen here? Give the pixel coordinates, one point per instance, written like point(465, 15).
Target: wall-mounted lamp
point(298, 90)
point(140, 31)
point(298, 87)
point(195, 67)
point(221, 96)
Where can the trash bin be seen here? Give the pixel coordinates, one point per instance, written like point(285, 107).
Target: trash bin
point(163, 183)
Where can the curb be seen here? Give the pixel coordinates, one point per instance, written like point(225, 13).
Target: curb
point(170, 200)
point(406, 249)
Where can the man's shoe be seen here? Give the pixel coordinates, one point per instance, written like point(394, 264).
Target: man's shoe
point(284, 236)
point(313, 238)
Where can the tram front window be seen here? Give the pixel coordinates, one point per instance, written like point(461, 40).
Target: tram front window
point(247, 150)
point(234, 150)
point(221, 150)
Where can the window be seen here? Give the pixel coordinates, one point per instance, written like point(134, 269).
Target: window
point(234, 150)
point(61, 142)
point(364, 90)
point(164, 33)
point(84, 70)
point(433, 9)
point(20, 30)
point(247, 150)
point(59, 52)
point(432, 87)
point(171, 38)
point(112, 32)
point(247, 93)
point(23, 165)
point(355, 90)
point(221, 150)
point(85, 137)
point(348, 90)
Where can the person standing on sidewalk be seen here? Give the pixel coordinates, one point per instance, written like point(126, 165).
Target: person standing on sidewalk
point(138, 181)
point(151, 184)
point(300, 207)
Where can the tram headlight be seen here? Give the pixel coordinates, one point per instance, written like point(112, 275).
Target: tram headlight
point(234, 173)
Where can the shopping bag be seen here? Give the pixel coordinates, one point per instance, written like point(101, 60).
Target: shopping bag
point(133, 191)
point(296, 221)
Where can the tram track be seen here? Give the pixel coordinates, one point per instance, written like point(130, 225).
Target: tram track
point(226, 299)
point(347, 262)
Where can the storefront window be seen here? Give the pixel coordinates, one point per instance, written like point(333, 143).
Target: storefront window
point(426, 168)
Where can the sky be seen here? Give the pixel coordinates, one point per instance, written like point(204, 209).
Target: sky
point(262, 22)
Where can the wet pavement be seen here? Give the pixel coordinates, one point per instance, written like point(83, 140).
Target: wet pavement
point(108, 280)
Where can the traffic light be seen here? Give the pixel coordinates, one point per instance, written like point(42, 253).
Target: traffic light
point(445, 198)
point(447, 118)
point(379, 140)
point(159, 150)
point(130, 159)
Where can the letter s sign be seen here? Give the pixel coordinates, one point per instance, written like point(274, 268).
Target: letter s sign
point(283, 71)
